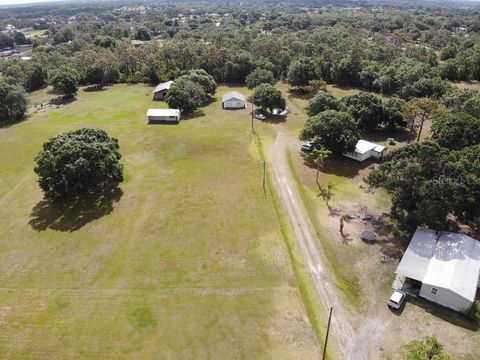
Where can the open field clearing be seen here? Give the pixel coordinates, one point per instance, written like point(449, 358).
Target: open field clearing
point(186, 261)
point(364, 273)
point(474, 85)
point(35, 33)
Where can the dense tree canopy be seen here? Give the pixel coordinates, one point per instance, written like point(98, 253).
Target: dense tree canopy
point(366, 109)
point(301, 72)
point(206, 81)
point(239, 67)
point(13, 102)
point(6, 41)
point(266, 97)
point(416, 112)
point(78, 163)
point(186, 95)
point(142, 34)
point(393, 110)
point(456, 131)
point(65, 82)
point(428, 182)
point(332, 130)
point(322, 101)
point(472, 106)
point(259, 76)
point(100, 73)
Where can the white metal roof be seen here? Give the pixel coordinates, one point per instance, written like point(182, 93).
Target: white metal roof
point(163, 112)
point(163, 86)
point(379, 148)
point(233, 95)
point(447, 260)
point(396, 296)
point(364, 146)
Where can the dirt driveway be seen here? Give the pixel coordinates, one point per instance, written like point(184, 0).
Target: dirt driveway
point(349, 342)
point(371, 331)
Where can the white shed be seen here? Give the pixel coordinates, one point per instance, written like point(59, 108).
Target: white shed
point(365, 150)
point(162, 116)
point(234, 100)
point(161, 90)
point(446, 265)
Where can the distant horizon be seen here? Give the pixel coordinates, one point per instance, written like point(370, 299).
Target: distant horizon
point(24, 2)
point(27, 2)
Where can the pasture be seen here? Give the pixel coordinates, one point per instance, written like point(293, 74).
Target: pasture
point(186, 260)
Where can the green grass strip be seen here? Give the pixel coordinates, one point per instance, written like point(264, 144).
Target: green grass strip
point(346, 281)
point(307, 292)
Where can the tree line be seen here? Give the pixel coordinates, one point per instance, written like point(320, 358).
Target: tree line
point(393, 51)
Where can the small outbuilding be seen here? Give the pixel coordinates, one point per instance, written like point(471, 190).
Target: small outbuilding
point(365, 150)
point(234, 100)
point(163, 116)
point(161, 90)
point(137, 43)
point(442, 267)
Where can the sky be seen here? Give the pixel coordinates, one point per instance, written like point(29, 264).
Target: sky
point(19, 2)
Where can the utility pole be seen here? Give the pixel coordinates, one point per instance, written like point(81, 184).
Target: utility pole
point(252, 117)
point(326, 336)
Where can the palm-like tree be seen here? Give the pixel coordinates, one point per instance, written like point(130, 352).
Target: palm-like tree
point(319, 156)
point(327, 193)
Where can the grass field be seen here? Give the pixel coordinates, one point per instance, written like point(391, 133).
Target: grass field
point(186, 261)
point(35, 33)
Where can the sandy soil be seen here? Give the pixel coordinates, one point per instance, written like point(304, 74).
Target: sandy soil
point(350, 344)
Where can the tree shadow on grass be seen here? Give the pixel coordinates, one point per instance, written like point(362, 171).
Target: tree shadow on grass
point(7, 124)
point(71, 215)
point(340, 165)
point(393, 239)
point(399, 135)
point(63, 100)
point(274, 119)
point(95, 88)
point(196, 114)
point(445, 314)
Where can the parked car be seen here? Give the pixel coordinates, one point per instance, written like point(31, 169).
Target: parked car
point(280, 112)
point(396, 300)
point(391, 141)
point(307, 147)
point(260, 116)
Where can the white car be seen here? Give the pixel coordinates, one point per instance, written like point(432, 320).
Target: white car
point(260, 116)
point(280, 112)
point(307, 147)
point(396, 300)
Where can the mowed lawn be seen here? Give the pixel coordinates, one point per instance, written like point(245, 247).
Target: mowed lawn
point(186, 261)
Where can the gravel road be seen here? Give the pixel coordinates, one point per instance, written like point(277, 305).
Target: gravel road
point(349, 345)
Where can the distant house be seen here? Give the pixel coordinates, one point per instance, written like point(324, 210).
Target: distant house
point(161, 90)
point(442, 267)
point(365, 150)
point(137, 43)
point(163, 116)
point(234, 100)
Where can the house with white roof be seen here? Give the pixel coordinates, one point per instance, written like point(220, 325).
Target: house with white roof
point(161, 90)
point(234, 100)
point(163, 116)
point(365, 150)
point(442, 267)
